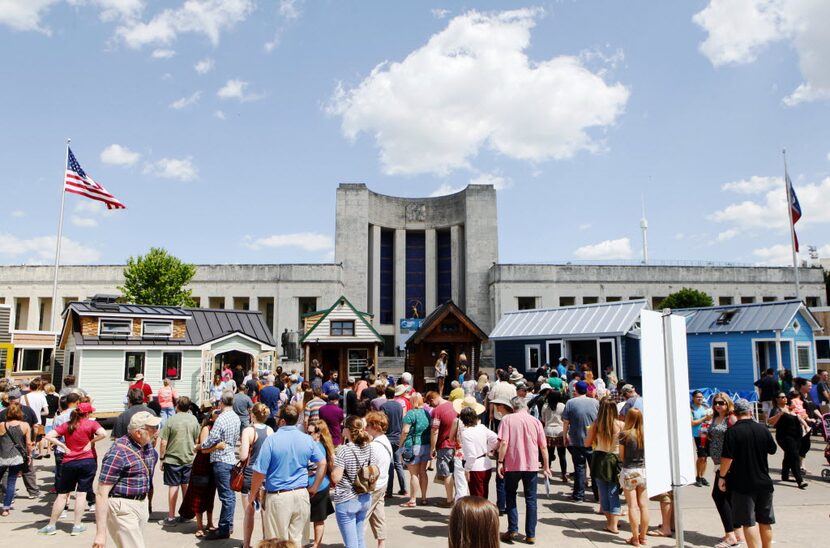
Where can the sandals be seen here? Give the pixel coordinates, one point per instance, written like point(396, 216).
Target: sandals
point(408, 504)
point(4, 513)
point(633, 541)
point(200, 534)
point(658, 533)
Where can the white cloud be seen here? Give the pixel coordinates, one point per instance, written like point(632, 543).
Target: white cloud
point(771, 212)
point(84, 222)
point(754, 185)
point(24, 15)
point(173, 168)
point(308, 241)
point(609, 249)
point(204, 66)
point(162, 53)
point(209, 18)
point(18, 213)
point(119, 155)
point(186, 101)
point(472, 86)
point(775, 255)
point(219, 114)
point(738, 30)
point(584, 226)
point(498, 182)
point(115, 9)
point(439, 13)
point(237, 89)
point(727, 234)
point(290, 9)
point(445, 189)
point(289, 12)
point(41, 250)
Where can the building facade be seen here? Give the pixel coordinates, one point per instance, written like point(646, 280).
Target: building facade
point(399, 257)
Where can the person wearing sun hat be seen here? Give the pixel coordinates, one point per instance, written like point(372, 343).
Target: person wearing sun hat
point(477, 442)
point(441, 370)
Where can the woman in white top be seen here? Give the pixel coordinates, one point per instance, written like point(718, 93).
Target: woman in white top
point(552, 419)
point(441, 371)
point(477, 441)
point(376, 425)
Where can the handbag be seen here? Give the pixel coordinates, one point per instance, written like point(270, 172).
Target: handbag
point(556, 441)
point(238, 475)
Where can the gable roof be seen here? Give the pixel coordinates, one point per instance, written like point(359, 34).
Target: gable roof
point(588, 320)
point(434, 318)
point(746, 317)
point(324, 313)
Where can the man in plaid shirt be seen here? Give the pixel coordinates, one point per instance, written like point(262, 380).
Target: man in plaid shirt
point(224, 436)
point(126, 479)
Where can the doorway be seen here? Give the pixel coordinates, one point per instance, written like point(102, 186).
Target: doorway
point(583, 352)
point(330, 361)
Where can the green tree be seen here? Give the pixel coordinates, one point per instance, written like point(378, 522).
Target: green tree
point(686, 298)
point(158, 278)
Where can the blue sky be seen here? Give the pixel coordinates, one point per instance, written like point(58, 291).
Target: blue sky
point(225, 126)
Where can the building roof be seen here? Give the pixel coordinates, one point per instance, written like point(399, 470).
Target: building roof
point(89, 308)
point(588, 320)
point(435, 318)
point(362, 316)
point(746, 317)
point(202, 325)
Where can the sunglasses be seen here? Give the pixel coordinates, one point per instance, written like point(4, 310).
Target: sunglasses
point(719, 403)
point(782, 396)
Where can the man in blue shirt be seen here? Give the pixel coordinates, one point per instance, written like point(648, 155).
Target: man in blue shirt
point(562, 368)
point(331, 385)
point(270, 396)
point(283, 466)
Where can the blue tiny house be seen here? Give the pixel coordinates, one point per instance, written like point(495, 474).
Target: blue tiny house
point(730, 346)
point(605, 334)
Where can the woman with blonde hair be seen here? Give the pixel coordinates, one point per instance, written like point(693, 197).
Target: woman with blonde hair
point(474, 523)
point(415, 449)
point(633, 475)
point(604, 435)
point(723, 417)
point(251, 441)
point(351, 507)
point(320, 502)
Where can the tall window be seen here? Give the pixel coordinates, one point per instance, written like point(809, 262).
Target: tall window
point(171, 365)
point(803, 358)
point(133, 365)
point(443, 267)
point(533, 356)
point(342, 328)
point(720, 358)
point(387, 277)
point(358, 358)
point(416, 289)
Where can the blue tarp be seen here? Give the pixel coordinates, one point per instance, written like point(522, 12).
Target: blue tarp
point(750, 395)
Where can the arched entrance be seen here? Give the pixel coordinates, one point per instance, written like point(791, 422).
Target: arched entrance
point(234, 358)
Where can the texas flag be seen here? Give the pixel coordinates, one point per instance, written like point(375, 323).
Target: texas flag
point(795, 208)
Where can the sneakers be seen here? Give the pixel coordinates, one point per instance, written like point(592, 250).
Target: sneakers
point(63, 514)
point(698, 483)
point(77, 530)
point(91, 508)
point(530, 540)
point(704, 482)
point(49, 530)
point(170, 522)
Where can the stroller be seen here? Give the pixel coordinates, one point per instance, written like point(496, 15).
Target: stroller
point(825, 427)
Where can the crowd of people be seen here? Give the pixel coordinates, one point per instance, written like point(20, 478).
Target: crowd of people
point(299, 450)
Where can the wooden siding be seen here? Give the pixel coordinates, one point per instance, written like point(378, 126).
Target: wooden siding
point(824, 319)
point(40, 340)
point(136, 328)
point(89, 326)
point(322, 332)
point(179, 329)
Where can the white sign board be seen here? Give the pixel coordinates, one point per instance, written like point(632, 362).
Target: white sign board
point(656, 418)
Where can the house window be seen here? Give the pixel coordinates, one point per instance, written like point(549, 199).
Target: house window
point(567, 301)
point(823, 349)
point(590, 300)
point(115, 328)
point(171, 365)
point(28, 360)
point(813, 302)
point(803, 358)
point(533, 357)
point(720, 358)
point(358, 358)
point(157, 329)
point(768, 299)
point(342, 328)
point(133, 365)
point(747, 300)
point(613, 299)
point(526, 303)
point(726, 316)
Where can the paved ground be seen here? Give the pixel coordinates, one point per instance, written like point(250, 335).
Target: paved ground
point(800, 514)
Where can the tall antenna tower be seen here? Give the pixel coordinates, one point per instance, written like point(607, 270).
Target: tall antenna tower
point(644, 229)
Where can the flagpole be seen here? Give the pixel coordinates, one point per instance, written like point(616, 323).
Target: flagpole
point(792, 225)
point(60, 234)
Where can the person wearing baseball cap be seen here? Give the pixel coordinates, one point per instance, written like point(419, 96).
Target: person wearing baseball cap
point(126, 479)
point(580, 413)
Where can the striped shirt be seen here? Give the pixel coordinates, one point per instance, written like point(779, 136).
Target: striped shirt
point(312, 409)
point(128, 468)
point(226, 428)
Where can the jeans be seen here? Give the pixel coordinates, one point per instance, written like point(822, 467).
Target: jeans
point(609, 496)
point(222, 473)
point(580, 456)
point(351, 519)
point(500, 494)
point(395, 466)
point(11, 482)
point(511, 486)
point(166, 413)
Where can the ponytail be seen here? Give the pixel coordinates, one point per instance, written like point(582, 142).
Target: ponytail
point(357, 430)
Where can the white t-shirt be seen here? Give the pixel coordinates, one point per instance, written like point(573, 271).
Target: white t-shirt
point(37, 401)
point(476, 443)
point(382, 457)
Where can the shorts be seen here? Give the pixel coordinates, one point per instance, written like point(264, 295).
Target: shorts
point(702, 451)
point(176, 475)
point(632, 478)
point(749, 509)
point(77, 475)
point(444, 462)
point(415, 454)
point(321, 506)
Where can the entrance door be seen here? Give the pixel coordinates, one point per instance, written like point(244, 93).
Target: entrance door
point(607, 356)
point(205, 377)
point(331, 361)
point(761, 357)
point(585, 351)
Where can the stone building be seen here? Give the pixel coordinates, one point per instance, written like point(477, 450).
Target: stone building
point(395, 257)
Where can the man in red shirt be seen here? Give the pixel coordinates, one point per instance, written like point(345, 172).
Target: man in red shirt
point(143, 386)
point(442, 441)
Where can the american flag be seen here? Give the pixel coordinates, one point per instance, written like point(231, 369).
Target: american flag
point(78, 182)
point(795, 209)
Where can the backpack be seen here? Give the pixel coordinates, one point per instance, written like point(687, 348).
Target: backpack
point(366, 477)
